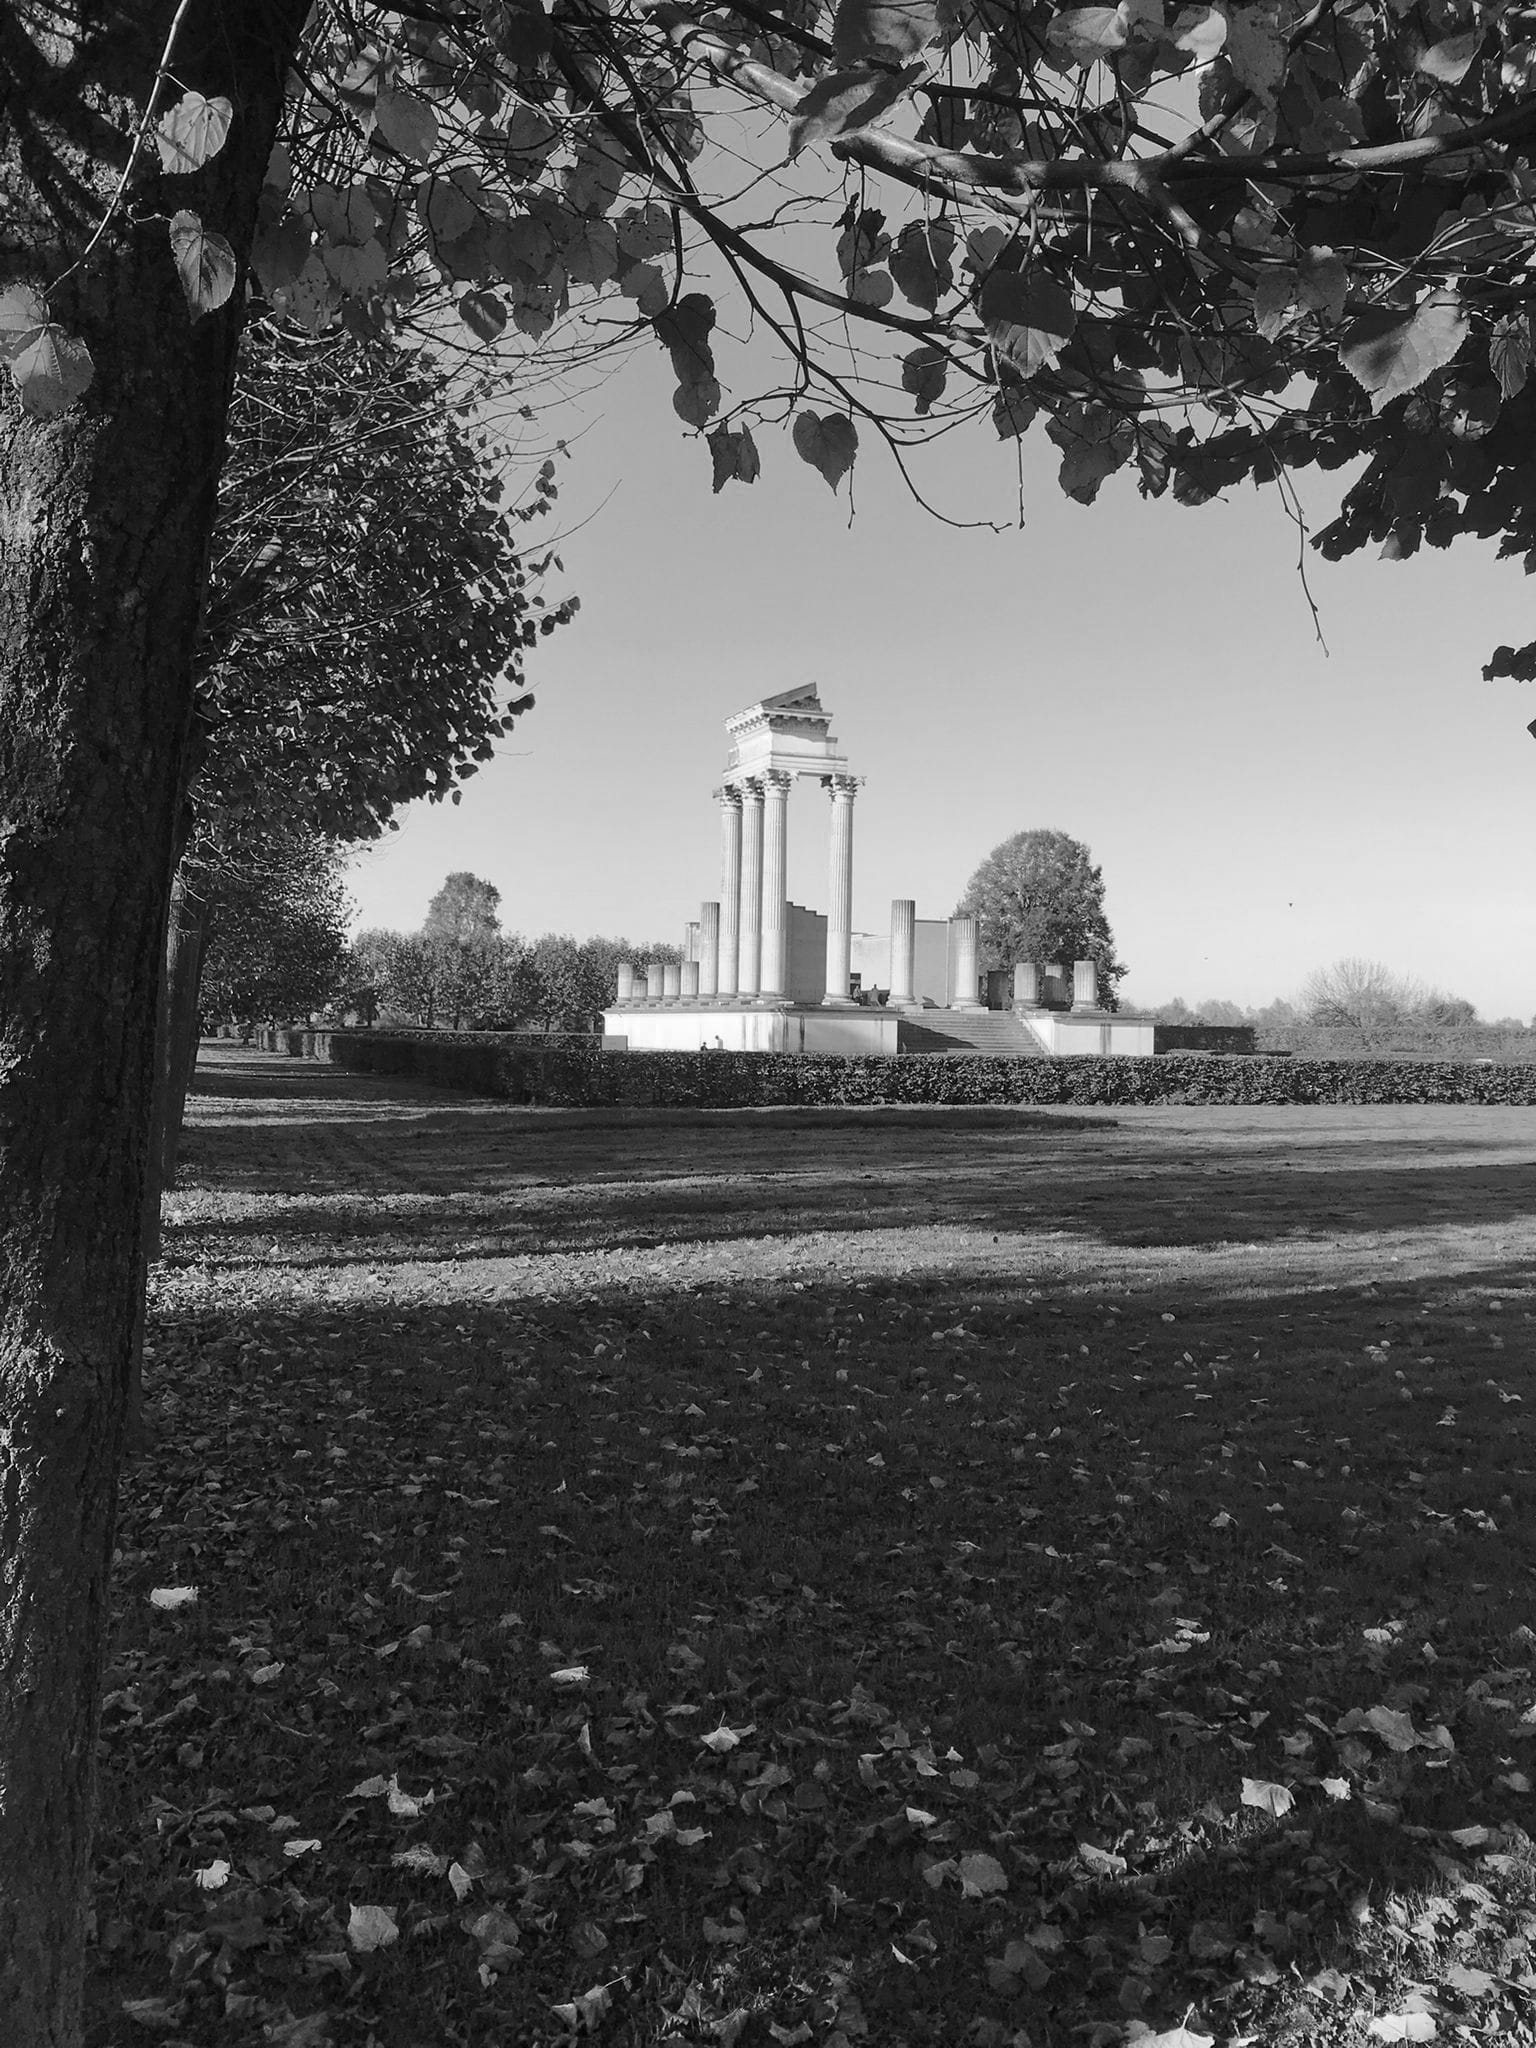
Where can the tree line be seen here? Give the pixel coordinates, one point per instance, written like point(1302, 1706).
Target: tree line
point(1361, 1002)
point(462, 972)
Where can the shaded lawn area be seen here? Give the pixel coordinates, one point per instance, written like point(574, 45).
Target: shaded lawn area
point(734, 1617)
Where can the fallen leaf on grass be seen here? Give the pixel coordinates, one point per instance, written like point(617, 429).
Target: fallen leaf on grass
point(1102, 1862)
point(1470, 1983)
point(570, 1674)
point(168, 1599)
point(1403, 2026)
point(1267, 1797)
point(212, 1875)
point(1175, 2037)
point(583, 2014)
point(981, 1874)
point(722, 1739)
point(371, 1927)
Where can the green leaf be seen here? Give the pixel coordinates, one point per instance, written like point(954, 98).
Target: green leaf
point(734, 453)
point(51, 368)
point(279, 254)
point(697, 402)
point(1323, 283)
point(1509, 352)
point(1450, 61)
point(1029, 319)
point(358, 267)
point(843, 100)
point(920, 261)
point(407, 124)
point(924, 373)
point(892, 29)
point(483, 314)
point(644, 232)
point(1013, 410)
point(194, 130)
point(443, 210)
point(1388, 354)
point(205, 263)
point(828, 442)
point(1199, 33)
point(1273, 297)
point(1256, 47)
point(1084, 35)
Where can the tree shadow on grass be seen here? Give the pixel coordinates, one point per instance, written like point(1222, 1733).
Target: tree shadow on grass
point(982, 1582)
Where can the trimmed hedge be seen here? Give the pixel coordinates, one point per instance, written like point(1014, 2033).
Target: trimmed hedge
point(575, 1072)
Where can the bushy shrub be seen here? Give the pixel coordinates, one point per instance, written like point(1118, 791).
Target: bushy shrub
point(573, 1071)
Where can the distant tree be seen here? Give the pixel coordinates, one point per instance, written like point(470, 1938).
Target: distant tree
point(1443, 1011)
point(1176, 1012)
point(1039, 897)
point(1275, 1014)
point(1218, 1010)
point(464, 908)
point(1358, 995)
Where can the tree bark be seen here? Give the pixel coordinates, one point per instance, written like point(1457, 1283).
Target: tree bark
point(105, 512)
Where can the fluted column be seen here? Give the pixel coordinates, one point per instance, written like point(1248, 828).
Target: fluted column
point(962, 992)
point(672, 980)
point(774, 978)
point(840, 889)
point(730, 892)
point(626, 992)
point(688, 987)
point(709, 949)
point(1085, 985)
point(655, 980)
point(750, 943)
point(903, 953)
point(1026, 985)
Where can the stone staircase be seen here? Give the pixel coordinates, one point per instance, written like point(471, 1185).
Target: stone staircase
point(997, 1032)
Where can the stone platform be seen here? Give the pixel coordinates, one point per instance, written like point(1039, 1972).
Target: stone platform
point(750, 1027)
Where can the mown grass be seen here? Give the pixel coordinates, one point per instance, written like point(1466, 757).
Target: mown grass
point(927, 1631)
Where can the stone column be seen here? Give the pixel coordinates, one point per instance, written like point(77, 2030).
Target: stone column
point(689, 990)
point(671, 981)
point(750, 955)
point(840, 889)
point(1026, 985)
point(655, 980)
point(1085, 985)
point(730, 892)
point(626, 992)
point(903, 952)
point(774, 978)
point(962, 993)
point(709, 949)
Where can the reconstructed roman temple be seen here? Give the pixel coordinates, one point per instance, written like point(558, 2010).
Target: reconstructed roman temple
point(762, 974)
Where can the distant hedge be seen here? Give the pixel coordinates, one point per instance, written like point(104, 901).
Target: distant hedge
point(574, 1072)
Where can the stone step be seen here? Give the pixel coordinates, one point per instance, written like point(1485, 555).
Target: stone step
point(968, 1031)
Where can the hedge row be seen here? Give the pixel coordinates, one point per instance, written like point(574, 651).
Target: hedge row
point(575, 1072)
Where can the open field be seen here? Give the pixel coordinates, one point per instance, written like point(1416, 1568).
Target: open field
point(808, 1576)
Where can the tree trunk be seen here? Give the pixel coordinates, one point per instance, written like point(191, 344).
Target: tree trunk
point(105, 512)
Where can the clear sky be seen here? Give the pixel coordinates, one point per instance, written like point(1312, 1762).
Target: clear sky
point(1141, 676)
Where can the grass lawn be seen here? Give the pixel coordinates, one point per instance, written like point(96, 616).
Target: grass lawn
point(890, 1577)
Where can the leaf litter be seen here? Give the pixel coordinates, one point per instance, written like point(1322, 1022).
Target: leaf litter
point(1085, 1714)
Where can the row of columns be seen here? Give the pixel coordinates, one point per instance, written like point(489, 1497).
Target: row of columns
point(744, 939)
point(675, 981)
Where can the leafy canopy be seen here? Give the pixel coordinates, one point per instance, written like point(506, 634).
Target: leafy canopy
point(1039, 897)
point(371, 601)
point(1197, 242)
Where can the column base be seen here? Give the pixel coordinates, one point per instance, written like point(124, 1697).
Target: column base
point(954, 1004)
point(837, 1003)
